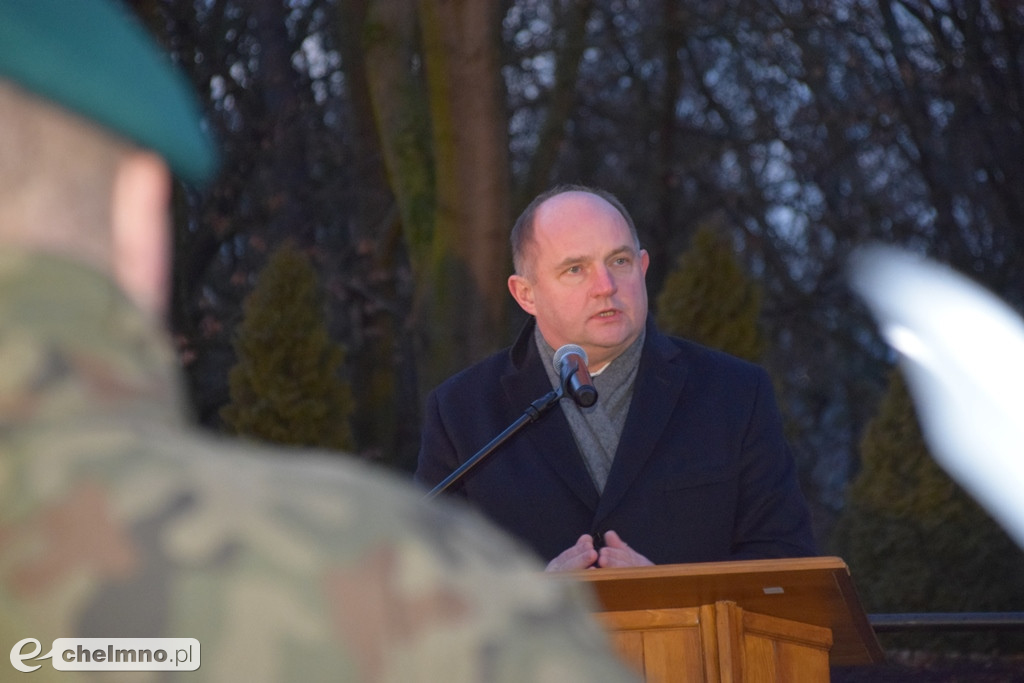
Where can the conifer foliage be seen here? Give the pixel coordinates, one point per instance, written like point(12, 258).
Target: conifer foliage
point(710, 299)
point(286, 386)
point(916, 541)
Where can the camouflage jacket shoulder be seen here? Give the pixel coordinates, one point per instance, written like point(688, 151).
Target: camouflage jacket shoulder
point(118, 520)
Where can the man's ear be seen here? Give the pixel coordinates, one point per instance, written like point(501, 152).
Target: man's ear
point(140, 230)
point(522, 292)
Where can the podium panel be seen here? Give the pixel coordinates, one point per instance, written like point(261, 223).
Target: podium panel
point(663, 645)
point(757, 621)
point(774, 650)
point(720, 642)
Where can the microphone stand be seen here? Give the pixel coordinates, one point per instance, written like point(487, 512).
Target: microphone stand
point(533, 412)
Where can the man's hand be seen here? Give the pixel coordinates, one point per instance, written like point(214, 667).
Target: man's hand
point(616, 553)
point(580, 556)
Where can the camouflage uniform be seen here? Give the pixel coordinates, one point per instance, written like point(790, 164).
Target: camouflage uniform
point(117, 519)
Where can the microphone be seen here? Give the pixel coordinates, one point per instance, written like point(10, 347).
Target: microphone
point(571, 363)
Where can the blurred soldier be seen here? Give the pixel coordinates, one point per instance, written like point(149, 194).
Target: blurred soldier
point(117, 520)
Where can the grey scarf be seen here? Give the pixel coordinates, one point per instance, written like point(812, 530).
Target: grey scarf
point(597, 429)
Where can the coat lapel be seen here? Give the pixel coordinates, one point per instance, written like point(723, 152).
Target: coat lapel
point(659, 383)
point(550, 436)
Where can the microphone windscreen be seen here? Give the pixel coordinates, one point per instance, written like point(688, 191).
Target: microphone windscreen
point(566, 350)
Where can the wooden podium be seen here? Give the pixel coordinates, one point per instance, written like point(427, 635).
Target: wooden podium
point(732, 622)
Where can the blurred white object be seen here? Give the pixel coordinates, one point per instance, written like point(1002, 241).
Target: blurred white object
point(962, 354)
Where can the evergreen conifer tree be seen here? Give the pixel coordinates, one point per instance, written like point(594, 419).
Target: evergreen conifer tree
point(916, 542)
point(710, 300)
point(286, 385)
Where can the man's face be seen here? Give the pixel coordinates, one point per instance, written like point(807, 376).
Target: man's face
point(584, 279)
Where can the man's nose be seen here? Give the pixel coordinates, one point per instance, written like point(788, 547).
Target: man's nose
point(604, 282)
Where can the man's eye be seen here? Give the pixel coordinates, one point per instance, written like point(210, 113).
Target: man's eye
point(573, 270)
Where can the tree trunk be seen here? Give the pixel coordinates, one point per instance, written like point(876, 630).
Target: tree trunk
point(443, 130)
point(469, 261)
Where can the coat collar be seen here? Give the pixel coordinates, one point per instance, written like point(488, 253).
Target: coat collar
point(659, 382)
point(75, 346)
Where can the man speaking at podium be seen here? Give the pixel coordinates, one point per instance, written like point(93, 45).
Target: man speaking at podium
point(681, 459)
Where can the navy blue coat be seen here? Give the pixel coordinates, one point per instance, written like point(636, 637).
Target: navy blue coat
point(702, 472)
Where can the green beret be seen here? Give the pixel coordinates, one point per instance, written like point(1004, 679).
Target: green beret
point(94, 58)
